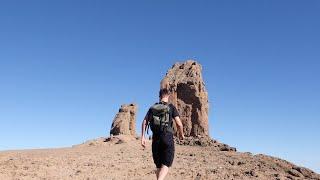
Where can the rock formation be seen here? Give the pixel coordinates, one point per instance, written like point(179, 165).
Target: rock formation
point(205, 142)
point(125, 121)
point(189, 95)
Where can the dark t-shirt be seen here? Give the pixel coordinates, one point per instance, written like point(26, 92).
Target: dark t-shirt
point(173, 112)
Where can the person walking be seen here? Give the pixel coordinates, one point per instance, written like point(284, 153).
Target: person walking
point(160, 119)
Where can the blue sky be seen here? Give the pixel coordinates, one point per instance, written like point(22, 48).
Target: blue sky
point(67, 66)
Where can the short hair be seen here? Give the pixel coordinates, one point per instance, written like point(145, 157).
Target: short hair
point(163, 92)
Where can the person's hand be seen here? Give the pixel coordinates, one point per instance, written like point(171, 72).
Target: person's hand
point(181, 136)
point(143, 142)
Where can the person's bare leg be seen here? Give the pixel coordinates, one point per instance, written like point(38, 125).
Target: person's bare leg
point(157, 172)
point(163, 172)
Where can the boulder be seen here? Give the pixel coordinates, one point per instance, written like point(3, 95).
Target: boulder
point(125, 121)
point(189, 95)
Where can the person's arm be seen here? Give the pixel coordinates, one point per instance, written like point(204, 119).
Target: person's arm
point(143, 129)
point(180, 127)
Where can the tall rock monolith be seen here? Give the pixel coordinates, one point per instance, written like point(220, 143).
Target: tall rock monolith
point(189, 95)
point(125, 121)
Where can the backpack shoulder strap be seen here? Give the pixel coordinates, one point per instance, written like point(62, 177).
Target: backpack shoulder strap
point(148, 119)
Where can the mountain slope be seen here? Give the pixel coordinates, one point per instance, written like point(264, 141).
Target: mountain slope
point(122, 157)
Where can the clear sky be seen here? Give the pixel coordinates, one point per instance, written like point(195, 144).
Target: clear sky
point(67, 66)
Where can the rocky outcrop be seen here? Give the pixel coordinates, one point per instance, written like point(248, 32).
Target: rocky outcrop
point(205, 142)
point(189, 95)
point(125, 121)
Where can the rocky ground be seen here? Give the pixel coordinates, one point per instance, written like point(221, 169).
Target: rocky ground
point(122, 157)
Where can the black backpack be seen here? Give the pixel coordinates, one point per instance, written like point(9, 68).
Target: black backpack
point(159, 119)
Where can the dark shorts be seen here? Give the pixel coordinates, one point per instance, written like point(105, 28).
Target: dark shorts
point(163, 149)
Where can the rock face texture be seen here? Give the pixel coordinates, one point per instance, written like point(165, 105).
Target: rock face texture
point(189, 95)
point(125, 121)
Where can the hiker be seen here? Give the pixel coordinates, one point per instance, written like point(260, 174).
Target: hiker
point(160, 118)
